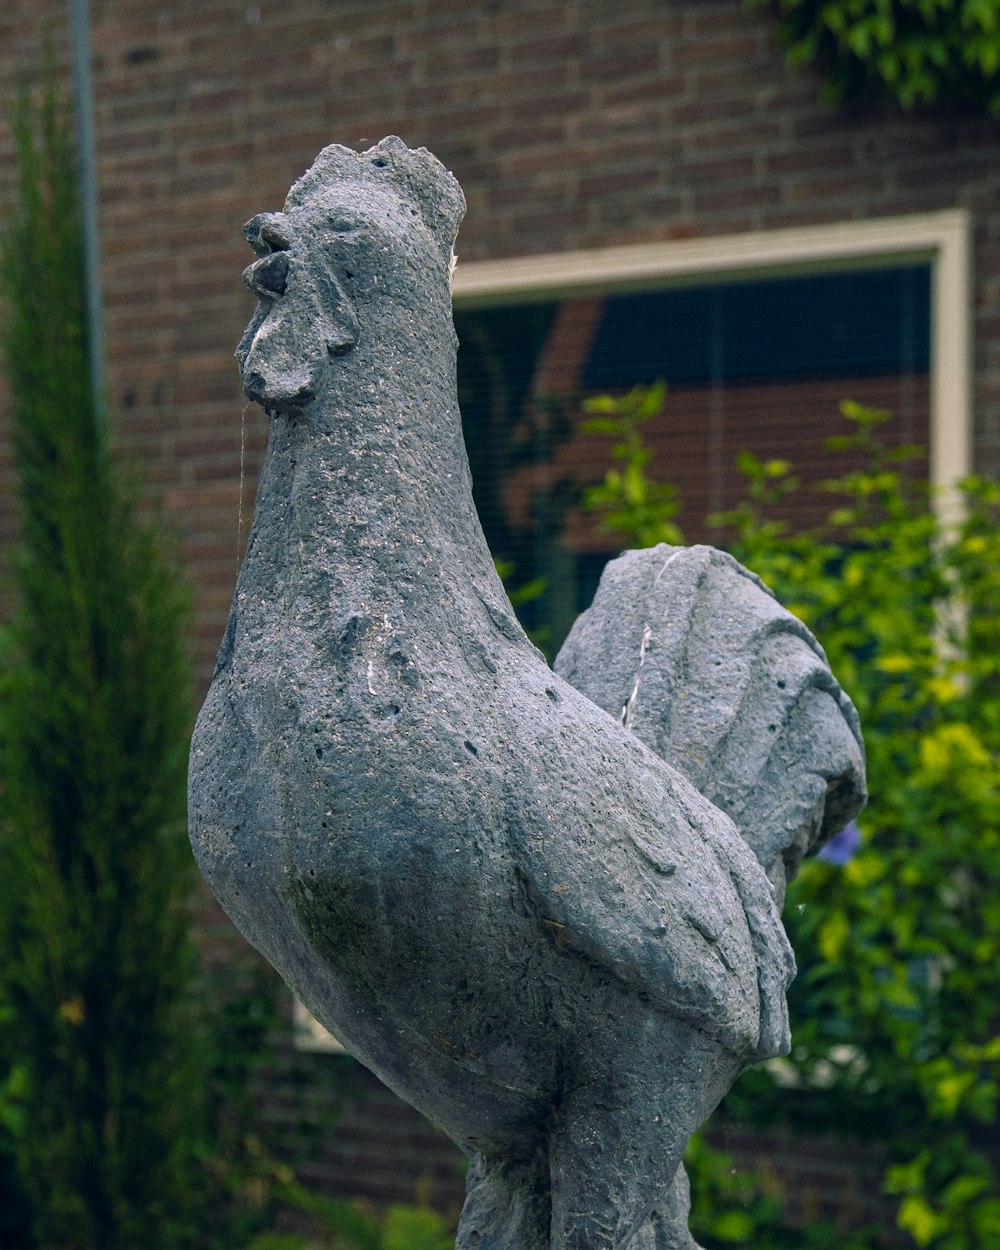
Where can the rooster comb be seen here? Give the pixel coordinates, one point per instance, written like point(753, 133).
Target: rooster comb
point(416, 174)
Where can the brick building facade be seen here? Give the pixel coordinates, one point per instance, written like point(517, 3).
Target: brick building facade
point(656, 128)
point(571, 127)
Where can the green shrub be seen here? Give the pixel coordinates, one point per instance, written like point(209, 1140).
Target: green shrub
point(627, 500)
point(340, 1225)
point(95, 872)
point(14, 1219)
point(896, 1029)
point(944, 52)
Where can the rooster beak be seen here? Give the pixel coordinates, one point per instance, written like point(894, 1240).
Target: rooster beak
point(270, 236)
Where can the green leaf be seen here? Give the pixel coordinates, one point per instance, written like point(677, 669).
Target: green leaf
point(650, 402)
point(833, 935)
point(918, 1218)
point(603, 403)
point(734, 1226)
point(415, 1228)
point(601, 425)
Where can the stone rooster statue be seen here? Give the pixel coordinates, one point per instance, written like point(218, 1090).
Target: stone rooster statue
point(537, 904)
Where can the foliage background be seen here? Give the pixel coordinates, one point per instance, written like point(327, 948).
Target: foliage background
point(95, 876)
point(918, 52)
point(896, 1009)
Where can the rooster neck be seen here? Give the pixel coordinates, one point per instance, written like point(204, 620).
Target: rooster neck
point(375, 466)
point(365, 512)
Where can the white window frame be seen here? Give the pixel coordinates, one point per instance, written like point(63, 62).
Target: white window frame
point(940, 239)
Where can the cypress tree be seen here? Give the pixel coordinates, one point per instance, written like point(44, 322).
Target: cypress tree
point(95, 873)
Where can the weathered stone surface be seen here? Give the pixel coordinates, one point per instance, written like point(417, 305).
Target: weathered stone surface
point(499, 897)
point(694, 655)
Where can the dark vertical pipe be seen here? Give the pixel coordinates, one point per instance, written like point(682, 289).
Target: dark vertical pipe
point(83, 100)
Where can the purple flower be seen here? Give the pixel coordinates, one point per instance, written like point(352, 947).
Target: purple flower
point(842, 846)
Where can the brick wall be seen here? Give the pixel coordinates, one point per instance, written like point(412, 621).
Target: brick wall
point(570, 125)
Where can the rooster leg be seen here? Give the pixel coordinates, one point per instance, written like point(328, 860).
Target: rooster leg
point(617, 1148)
point(506, 1206)
point(667, 1227)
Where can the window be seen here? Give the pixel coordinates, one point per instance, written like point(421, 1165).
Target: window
point(310, 1035)
point(758, 337)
